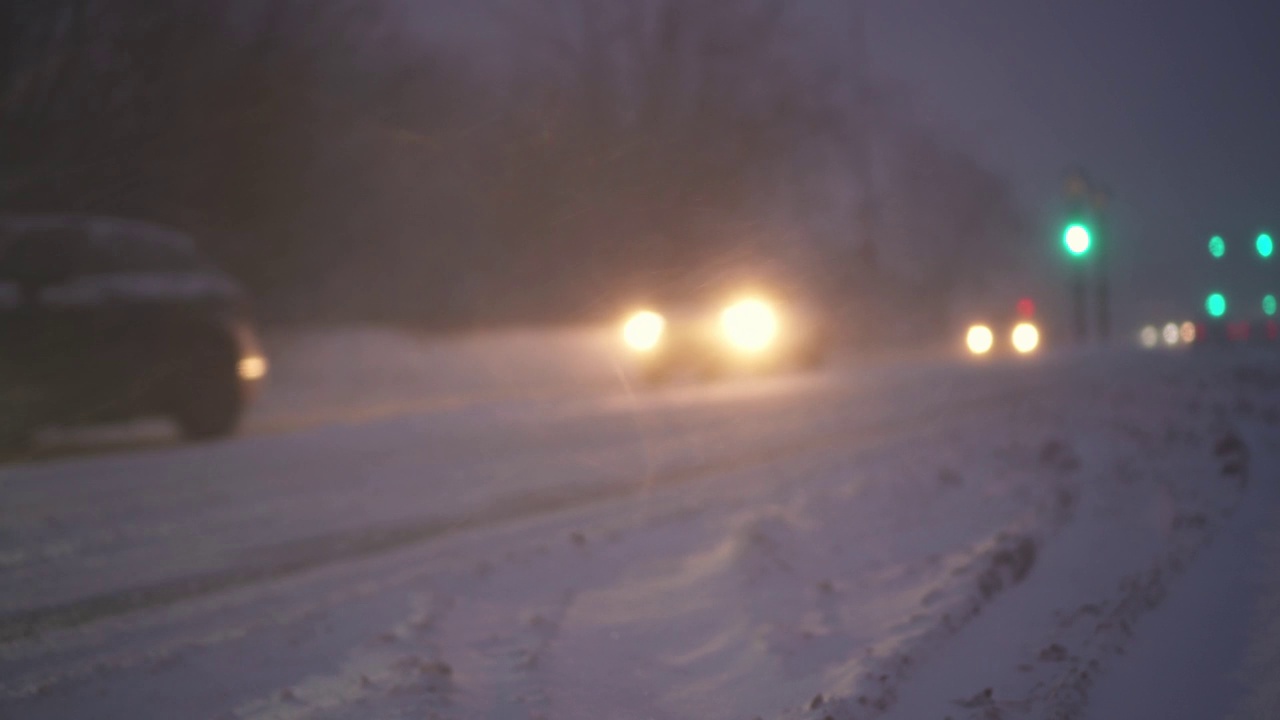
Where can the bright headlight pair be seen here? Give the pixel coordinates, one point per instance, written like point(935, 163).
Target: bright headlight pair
point(750, 325)
point(1025, 339)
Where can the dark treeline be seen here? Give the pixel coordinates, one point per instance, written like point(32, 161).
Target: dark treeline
point(344, 167)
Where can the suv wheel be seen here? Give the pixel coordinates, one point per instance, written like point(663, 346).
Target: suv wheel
point(17, 424)
point(15, 439)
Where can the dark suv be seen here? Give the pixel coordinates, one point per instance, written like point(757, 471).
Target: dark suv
point(104, 320)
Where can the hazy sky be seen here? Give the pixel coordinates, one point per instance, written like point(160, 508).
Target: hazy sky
point(1173, 103)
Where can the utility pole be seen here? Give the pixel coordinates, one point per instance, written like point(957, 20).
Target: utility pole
point(1079, 308)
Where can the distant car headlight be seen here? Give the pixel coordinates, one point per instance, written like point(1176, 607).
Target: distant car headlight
point(1025, 338)
point(1149, 337)
point(750, 325)
point(980, 339)
point(643, 331)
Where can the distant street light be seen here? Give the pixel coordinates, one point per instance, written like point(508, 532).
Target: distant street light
point(1265, 245)
point(1217, 247)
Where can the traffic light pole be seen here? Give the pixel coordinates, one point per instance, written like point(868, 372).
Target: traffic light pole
point(1102, 280)
point(1080, 309)
point(1086, 240)
point(1077, 241)
point(1101, 200)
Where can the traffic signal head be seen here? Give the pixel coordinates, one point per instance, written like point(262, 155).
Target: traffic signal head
point(1077, 239)
point(1217, 246)
point(1216, 305)
point(1265, 245)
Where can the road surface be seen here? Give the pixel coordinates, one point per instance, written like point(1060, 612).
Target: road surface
point(798, 546)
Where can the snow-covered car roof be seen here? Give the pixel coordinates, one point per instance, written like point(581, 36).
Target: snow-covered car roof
point(95, 227)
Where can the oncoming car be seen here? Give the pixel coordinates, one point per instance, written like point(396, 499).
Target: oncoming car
point(105, 320)
point(1020, 338)
point(744, 331)
point(1018, 334)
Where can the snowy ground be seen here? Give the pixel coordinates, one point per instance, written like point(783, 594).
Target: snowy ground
point(500, 527)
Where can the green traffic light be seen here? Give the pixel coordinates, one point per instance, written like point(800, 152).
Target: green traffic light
point(1269, 304)
point(1217, 246)
point(1077, 239)
point(1216, 305)
point(1265, 245)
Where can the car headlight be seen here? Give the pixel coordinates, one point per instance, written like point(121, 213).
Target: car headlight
point(980, 339)
point(1025, 338)
point(643, 331)
point(750, 325)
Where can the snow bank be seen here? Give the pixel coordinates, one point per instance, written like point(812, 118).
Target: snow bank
point(1259, 671)
point(1188, 463)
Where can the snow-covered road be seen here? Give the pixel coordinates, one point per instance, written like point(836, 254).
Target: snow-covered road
point(536, 543)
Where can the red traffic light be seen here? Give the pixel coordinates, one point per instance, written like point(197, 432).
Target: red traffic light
point(1026, 308)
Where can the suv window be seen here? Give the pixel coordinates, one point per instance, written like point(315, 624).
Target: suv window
point(41, 255)
point(130, 253)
